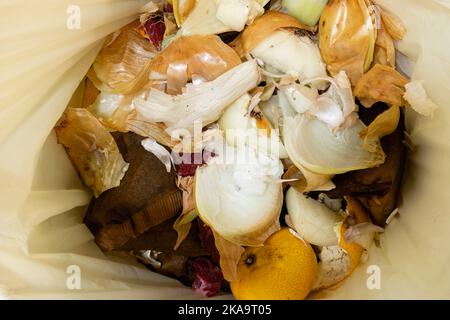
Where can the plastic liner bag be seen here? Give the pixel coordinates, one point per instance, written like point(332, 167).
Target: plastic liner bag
point(47, 252)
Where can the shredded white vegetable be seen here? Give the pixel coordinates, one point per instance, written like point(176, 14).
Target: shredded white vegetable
point(204, 102)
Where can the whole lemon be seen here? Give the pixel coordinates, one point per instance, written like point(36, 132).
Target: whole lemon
point(283, 269)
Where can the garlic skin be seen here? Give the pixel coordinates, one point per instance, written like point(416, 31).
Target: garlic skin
point(292, 54)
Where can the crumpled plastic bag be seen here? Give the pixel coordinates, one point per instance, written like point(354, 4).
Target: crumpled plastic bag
point(47, 252)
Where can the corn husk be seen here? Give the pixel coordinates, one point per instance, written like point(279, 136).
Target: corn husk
point(347, 37)
point(381, 83)
point(92, 150)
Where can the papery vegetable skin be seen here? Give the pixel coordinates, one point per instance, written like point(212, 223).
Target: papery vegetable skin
point(262, 28)
point(203, 103)
point(418, 99)
point(381, 83)
point(237, 13)
point(181, 9)
point(229, 255)
point(303, 180)
point(384, 53)
point(383, 125)
point(122, 67)
point(336, 107)
point(311, 144)
point(347, 37)
point(281, 50)
point(244, 126)
point(92, 150)
point(393, 25)
point(204, 56)
point(239, 199)
point(183, 223)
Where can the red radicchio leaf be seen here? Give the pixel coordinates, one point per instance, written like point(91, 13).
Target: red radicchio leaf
point(168, 7)
point(208, 277)
point(155, 28)
point(207, 241)
point(189, 162)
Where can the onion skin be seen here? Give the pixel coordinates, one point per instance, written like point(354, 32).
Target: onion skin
point(252, 237)
point(244, 213)
point(263, 27)
point(310, 144)
point(281, 50)
point(347, 37)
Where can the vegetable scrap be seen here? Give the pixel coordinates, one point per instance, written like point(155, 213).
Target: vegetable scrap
point(247, 146)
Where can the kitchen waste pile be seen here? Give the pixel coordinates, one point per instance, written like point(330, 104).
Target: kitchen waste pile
point(247, 146)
